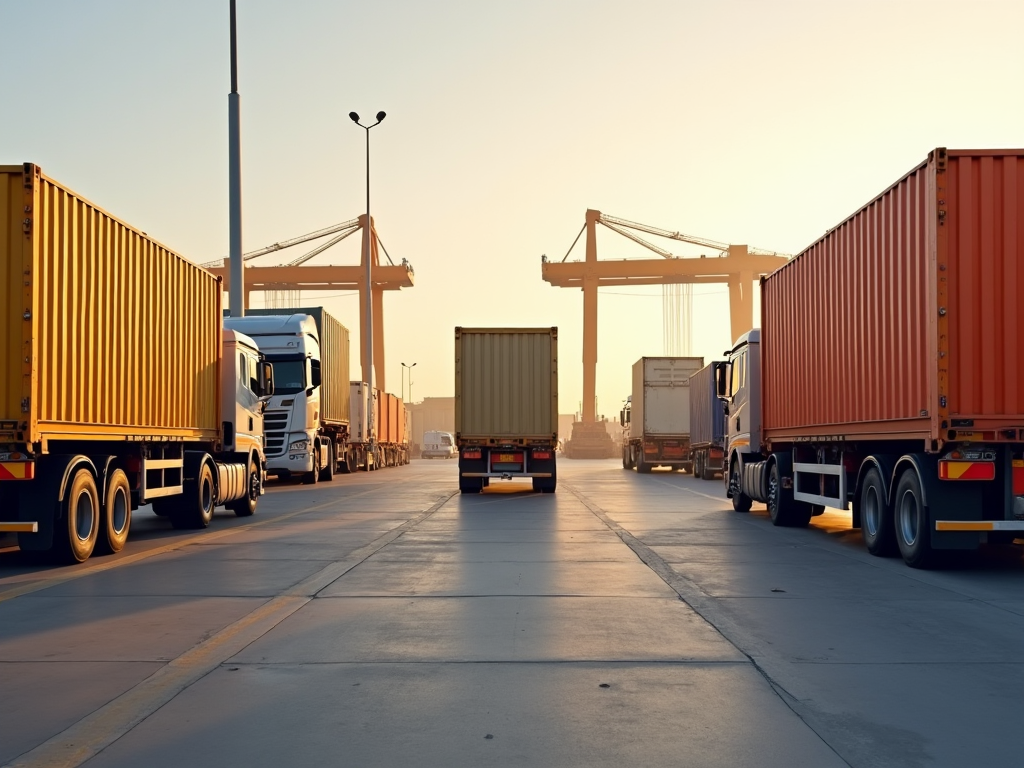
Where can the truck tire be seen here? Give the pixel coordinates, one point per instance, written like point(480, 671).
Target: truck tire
point(782, 508)
point(706, 473)
point(698, 464)
point(195, 507)
point(740, 501)
point(876, 518)
point(625, 458)
point(312, 478)
point(116, 513)
point(641, 463)
point(80, 514)
point(912, 523)
point(327, 473)
point(351, 463)
point(163, 507)
point(246, 506)
point(545, 484)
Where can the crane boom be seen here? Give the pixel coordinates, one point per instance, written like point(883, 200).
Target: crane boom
point(353, 225)
point(669, 235)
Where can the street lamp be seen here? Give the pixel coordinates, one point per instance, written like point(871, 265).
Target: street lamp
point(410, 367)
point(368, 336)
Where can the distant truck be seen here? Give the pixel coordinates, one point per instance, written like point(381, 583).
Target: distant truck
point(506, 406)
point(307, 419)
point(887, 371)
point(707, 423)
point(438, 445)
point(118, 385)
point(391, 429)
point(657, 417)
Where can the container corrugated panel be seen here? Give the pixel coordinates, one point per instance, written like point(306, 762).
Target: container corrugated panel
point(506, 383)
point(357, 407)
point(707, 418)
point(122, 335)
point(335, 389)
point(906, 317)
point(661, 394)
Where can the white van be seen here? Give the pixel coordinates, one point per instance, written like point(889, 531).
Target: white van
point(438, 444)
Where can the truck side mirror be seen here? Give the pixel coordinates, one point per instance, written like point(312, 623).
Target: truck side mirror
point(315, 373)
point(722, 380)
point(266, 379)
point(622, 418)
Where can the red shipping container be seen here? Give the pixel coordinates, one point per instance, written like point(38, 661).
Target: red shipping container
point(907, 319)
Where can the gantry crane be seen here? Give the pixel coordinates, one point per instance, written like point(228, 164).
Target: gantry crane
point(737, 265)
point(296, 275)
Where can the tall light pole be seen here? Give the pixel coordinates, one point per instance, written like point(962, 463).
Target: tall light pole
point(236, 294)
point(410, 367)
point(368, 335)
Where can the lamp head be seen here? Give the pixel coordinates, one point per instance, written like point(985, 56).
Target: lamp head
point(354, 117)
point(381, 116)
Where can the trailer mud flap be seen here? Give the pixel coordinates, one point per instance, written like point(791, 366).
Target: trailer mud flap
point(39, 500)
point(951, 501)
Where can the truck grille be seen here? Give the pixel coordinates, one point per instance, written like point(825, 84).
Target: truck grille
point(275, 428)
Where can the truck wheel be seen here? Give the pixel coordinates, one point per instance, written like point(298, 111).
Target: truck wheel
point(246, 506)
point(912, 524)
point(327, 473)
point(782, 509)
point(740, 501)
point(876, 519)
point(351, 463)
point(117, 513)
point(706, 473)
point(641, 463)
point(163, 507)
point(80, 512)
point(542, 485)
point(195, 508)
point(312, 478)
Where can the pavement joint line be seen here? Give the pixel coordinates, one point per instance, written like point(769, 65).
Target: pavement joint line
point(95, 732)
point(690, 490)
point(702, 604)
point(205, 537)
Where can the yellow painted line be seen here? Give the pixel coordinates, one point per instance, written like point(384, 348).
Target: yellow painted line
point(980, 525)
point(93, 733)
point(207, 536)
point(942, 525)
point(19, 527)
point(720, 499)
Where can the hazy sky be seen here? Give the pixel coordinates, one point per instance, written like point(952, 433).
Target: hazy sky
point(748, 122)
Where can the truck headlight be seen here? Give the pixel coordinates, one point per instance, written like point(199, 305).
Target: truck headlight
point(299, 445)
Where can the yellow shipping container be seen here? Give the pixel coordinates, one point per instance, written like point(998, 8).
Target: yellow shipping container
point(104, 333)
point(506, 384)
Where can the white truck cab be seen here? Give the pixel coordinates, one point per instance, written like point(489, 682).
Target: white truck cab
point(291, 419)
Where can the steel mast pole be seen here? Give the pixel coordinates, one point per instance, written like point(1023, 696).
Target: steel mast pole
point(368, 336)
point(236, 295)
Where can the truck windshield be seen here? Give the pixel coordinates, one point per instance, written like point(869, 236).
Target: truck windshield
point(289, 374)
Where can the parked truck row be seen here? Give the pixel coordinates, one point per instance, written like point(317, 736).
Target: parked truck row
point(122, 384)
point(886, 373)
point(673, 417)
point(316, 423)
